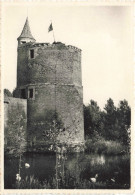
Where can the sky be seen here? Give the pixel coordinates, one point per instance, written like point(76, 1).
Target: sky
point(103, 33)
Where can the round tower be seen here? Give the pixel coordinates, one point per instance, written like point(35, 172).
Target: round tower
point(49, 77)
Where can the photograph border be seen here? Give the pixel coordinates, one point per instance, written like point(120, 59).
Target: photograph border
point(76, 191)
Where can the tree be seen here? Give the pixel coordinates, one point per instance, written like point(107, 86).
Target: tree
point(7, 93)
point(15, 133)
point(92, 119)
point(110, 120)
point(50, 125)
point(124, 118)
point(111, 124)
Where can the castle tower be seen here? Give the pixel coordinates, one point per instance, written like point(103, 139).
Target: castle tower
point(49, 77)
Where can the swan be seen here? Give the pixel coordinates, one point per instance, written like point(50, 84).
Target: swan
point(18, 178)
point(113, 180)
point(94, 179)
point(27, 165)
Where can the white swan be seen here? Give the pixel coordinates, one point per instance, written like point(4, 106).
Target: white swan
point(113, 180)
point(18, 178)
point(27, 165)
point(94, 179)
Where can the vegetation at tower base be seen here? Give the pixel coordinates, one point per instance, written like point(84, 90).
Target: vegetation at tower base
point(50, 125)
point(107, 131)
point(15, 132)
point(53, 136)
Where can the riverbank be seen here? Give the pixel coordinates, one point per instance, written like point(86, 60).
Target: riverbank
point(91, 146)
point(34, 183)
point(101, 146)
point(70, 171)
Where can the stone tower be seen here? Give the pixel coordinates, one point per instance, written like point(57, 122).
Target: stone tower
point(49, 77)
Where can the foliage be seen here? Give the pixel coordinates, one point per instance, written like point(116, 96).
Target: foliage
point(7, 93)
point(110, 121)
point(31, 183)
point(71, 183)
point(75, 172)
point(105, 147)
point(112, 124)
point(52, 127)
point(15, 94)
point(92, 118)
point(124, 118)
point(50, 124)
point(16, 130)
point(15, 133)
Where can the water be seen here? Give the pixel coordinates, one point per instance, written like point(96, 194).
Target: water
point(72, 171)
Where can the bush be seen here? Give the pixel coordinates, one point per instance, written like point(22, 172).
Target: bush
point(102, 146)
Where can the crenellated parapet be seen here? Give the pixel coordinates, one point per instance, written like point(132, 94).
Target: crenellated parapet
point(55, 45)
point(49, 63)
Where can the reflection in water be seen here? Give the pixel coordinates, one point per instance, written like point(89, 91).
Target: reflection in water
point(72, 171)
point(60, 166)
point(99, 160)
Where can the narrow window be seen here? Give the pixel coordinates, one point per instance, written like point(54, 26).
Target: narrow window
point(23, 93)
point(23, 42)
point(32, 53)
point(31, 93)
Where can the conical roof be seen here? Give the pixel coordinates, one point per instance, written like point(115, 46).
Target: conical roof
point(26, 33)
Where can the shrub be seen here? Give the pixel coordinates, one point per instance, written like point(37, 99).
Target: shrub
point(104, 147)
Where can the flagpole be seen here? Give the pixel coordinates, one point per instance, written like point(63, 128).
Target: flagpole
point(27, 11)
point(53, 36)
point(53, 33)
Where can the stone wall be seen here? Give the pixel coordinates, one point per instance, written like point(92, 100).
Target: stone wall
point(54, 74)
point(22, 62)
point(67, 101)
point(51, 64)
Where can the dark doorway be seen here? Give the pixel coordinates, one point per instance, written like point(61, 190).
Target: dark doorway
point(30, 93)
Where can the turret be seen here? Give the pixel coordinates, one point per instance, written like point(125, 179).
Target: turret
point(26, 35)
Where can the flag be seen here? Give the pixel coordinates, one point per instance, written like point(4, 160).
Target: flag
point(50, 28)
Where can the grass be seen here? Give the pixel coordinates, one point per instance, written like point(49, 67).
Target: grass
point(71, 183)
point(101, 146)
point(31, 183)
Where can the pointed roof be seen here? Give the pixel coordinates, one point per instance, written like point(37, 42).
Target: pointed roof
point(26, 32)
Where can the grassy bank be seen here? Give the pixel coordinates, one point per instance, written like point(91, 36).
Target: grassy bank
point(33, 183)
point(101, 146)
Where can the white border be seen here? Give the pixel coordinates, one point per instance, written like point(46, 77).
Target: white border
point(76, 191)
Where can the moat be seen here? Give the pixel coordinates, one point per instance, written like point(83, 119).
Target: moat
point(71, 171)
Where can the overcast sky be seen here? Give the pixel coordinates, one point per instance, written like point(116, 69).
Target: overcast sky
point(104, 33)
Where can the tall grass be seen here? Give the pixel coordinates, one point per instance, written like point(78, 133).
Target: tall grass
point(31, 183)
point(34, 183)
point(101, 146)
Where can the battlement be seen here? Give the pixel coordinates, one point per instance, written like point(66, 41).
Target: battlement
point(55, 45)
